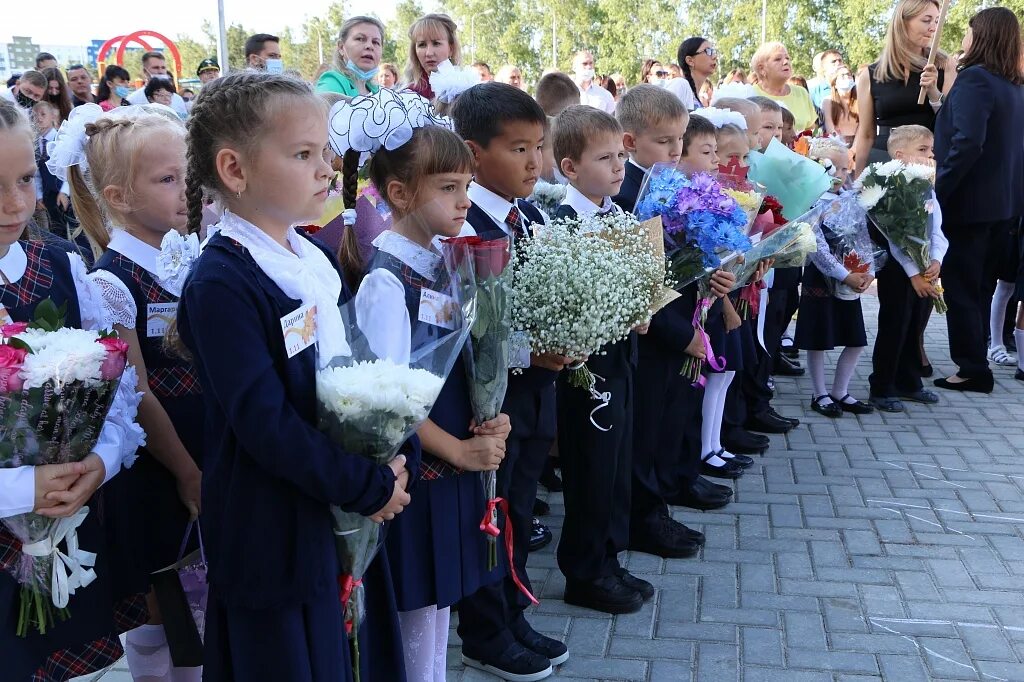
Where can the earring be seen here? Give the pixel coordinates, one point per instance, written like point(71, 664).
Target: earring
point(238, 194)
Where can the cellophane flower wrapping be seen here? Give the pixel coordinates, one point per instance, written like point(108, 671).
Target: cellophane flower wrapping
point(899, 199)
point(844, 226)
point(486, 356)
point(794, 180)
point(56, 387)
point(788, 245)
point(705, 228)
point(370, 405)
point(583, 283)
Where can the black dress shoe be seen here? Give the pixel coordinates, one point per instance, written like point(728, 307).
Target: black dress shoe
point(743, 442)
point(927, 371)
point(742, 460)
point(856, 407)
point(710, 486)
point(667, 527)
point(789, 349)
point(663, 540)
point(516, 663)
point(553, 650)
point(969, 385)
point(795, 422)
point(608, 595)
point(642, 587)
point(729, 470)
point(1019, 376)
point(832, 411)
point(549, 479)
point(540, 536)
point(788, 368)
point(768, 423)
point(541, 508)
point(704, 500)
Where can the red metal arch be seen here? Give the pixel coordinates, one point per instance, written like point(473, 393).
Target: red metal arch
point(101, 56)
point(137, 37)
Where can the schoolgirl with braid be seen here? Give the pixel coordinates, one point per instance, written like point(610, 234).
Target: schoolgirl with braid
point(437, 550)
point(258, 142)
point(128, 186)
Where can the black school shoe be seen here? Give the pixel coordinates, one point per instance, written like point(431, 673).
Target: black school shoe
point(856, 407)
point(669, 540)
point(787, 348)
point(641, 587)
point(766, 422)
point(699, 496)
point(742, 442)
point(540, 536)
point(556, 652)
point(792, 420)
point(832, 410)
point(729, 470)
point(608, 595)
point(515, 664)
point(785, 367)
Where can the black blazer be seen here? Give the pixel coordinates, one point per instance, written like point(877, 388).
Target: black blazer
point(979, 149)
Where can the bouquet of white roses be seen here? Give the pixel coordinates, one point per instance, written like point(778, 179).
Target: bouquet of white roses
point(56, 386)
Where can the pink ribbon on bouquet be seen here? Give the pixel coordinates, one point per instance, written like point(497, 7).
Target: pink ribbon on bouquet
point(487, 526)
point(716, 363)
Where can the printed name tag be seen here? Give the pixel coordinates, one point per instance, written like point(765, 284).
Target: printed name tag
point(437, 309)
point(159, 317)
point(299, 329)
point(5, 317)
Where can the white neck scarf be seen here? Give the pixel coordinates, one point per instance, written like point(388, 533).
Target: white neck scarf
point(306, 275)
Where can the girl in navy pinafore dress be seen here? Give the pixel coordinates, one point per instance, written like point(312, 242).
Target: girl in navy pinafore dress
point(30, 272)
point(438, 553)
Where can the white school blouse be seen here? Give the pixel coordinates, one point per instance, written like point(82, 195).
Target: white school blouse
point(120, 436)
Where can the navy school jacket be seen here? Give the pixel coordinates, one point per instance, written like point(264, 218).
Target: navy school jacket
point(629, 190)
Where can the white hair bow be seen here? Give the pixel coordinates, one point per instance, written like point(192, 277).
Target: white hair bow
point(721, 117)
point(68, 148)
point(384, 119)
point(737, 90)
point(449, 81)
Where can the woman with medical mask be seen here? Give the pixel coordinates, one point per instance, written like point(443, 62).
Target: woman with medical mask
point(356, 60)
point(113, 90)
point(839, 109)
point(653, 73)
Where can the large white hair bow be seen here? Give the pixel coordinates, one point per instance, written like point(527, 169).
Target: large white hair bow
point(737, 90)
point(384, 119)
point(68, 148)
point(721, 117)
point(450, 81)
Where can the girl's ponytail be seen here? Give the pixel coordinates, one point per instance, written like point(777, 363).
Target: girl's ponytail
point(349, 255)
point(88, 212)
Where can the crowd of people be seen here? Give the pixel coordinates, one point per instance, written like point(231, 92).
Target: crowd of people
point(93, 180)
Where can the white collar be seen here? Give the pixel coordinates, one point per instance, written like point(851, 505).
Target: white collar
point(645, 170)
point(136, 250)
point(584, 206)
point(493, 205)
point(425, 262)
point(50, 134)
point(14, 264)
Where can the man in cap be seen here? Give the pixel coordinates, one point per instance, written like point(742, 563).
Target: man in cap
point(208, 70)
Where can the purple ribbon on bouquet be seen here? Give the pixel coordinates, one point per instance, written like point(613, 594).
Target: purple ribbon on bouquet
point(699, 315)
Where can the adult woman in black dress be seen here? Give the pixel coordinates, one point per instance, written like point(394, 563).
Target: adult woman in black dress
point(979, 180)
point(887, 90)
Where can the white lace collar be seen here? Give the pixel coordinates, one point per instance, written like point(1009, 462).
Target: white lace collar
point(14, 264)
point(304, 273)
point(136, 250)
point(584, 206)
point(425, 262)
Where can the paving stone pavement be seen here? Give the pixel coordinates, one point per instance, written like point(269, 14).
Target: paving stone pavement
point(879, 547)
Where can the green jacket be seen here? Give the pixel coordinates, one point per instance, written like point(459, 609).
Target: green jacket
point(335, 81)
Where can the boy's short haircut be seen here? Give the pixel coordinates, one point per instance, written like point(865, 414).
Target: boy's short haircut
point(788, 119)
point(902, 137)
point(647, 105)
point(481, 112)
point(698, 127)
point(45, 104)
point(743, 107)
point(577, 126)
point(767, 104)
point(556, 92)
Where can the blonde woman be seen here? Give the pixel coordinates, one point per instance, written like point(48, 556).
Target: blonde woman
point(356, 58)
point(887, 90)
point(432, 40)
point(772, 69)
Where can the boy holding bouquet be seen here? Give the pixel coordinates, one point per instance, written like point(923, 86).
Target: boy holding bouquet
point(905, 295)
point(595, 445)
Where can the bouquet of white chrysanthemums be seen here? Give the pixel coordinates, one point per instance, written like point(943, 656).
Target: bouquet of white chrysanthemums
point(583, 283)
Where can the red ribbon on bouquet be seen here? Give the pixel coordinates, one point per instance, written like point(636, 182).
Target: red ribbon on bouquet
point(752, 295)
point(487, 526)
point(347, 585)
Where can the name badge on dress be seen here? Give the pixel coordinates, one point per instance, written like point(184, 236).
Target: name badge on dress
point(437, 309)
point(299, 329)
point(5, 317)
point(159, 317)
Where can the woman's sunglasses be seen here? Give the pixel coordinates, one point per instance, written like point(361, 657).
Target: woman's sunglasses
point(661, 74)
point(709, 51)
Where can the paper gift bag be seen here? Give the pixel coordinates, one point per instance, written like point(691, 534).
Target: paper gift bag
point(181, 591)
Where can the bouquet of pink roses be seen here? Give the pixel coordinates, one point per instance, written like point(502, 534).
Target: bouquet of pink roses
point(56, 386)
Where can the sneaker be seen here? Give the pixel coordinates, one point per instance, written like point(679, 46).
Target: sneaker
point(642, 587)
point(608, 595)
point(999, 356)
point(556, 652)
point(540, 536)
point(515, 664)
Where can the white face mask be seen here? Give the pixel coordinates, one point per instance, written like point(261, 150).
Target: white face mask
point(844, 84)
point(585, 74)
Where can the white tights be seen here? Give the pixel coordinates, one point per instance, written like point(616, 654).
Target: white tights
point(425, 635)
point(845, 366)
point(712, 411)
point(149, 659)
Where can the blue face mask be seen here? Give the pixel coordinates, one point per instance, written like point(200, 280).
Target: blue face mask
point(359, 73)
point(122, 91)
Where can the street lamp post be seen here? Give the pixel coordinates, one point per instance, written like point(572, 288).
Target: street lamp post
point(472, 28)
point(319, 45)
point(222, 39)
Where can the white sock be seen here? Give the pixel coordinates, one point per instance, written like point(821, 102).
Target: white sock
point(816, 369)
point(1001, 296)
point(723, 393)
point(1018, 335)
point(845, 367)
point(711, 424)
point(424, 637)
point(149, 659)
